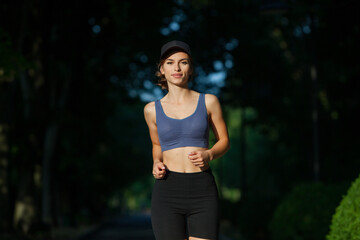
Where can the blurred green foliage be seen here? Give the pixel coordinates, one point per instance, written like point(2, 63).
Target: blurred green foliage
point(305, 212)
point(346, 220)
point(11, 61)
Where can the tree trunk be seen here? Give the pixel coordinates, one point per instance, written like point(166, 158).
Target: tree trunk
point(4, 199)
point(49, 146)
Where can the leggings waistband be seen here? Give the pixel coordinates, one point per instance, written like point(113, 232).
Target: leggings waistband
point(208, 170)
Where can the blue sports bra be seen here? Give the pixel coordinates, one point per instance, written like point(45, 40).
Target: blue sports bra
point(192, 131)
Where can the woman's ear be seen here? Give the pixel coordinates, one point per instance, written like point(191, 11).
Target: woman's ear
point(162, 70)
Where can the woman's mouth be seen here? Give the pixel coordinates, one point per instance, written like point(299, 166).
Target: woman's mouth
point(176, 75)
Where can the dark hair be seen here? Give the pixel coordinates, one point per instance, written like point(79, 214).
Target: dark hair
point(162, 82)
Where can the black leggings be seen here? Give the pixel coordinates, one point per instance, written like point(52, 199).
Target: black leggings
point(185, 204)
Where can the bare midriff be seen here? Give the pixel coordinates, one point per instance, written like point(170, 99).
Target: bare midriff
point(177, 160)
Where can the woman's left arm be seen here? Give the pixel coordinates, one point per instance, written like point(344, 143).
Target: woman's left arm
point(222, 145)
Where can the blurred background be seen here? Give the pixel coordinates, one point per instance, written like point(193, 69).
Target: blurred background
point(75, 76)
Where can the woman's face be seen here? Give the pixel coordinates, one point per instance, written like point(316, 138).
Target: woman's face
point(176, 69)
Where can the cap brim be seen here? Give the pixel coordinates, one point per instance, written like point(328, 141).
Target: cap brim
point(173, 50)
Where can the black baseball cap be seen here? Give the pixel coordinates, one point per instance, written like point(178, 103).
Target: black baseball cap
point(173, 45)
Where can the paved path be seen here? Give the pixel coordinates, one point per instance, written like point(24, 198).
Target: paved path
point(123, 228)
point(136, 227)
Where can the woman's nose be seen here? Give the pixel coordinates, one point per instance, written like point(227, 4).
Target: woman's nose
point(177, 67)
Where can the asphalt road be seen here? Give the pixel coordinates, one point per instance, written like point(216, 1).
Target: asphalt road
point(123, 228)
point(136, 227)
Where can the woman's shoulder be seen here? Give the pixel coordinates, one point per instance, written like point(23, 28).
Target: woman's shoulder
point(212, 103)
point(210, 98)
point(149, 108)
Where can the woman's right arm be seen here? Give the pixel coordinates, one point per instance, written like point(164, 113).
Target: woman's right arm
point(150, 118)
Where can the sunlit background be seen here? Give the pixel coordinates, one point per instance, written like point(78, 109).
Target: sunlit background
point(75, 152)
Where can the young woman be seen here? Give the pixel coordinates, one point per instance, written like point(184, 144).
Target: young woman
point(185, 197)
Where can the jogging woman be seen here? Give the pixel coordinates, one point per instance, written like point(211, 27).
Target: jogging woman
point(185, 196)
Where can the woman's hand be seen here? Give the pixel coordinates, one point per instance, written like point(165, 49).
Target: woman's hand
point(159, 170)
point(200, 158)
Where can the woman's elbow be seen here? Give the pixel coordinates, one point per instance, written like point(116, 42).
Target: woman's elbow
point(228, 145)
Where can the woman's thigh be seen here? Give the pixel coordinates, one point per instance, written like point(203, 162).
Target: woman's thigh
point(167, 215)
point(203, 219)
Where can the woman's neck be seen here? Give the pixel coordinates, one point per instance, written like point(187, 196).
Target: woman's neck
point(178, 94)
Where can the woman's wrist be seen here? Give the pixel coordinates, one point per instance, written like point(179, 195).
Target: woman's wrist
point(211, 154)
point(157, 161)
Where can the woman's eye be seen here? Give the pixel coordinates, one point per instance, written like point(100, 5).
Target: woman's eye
point(185, 63)
point(169, 63)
